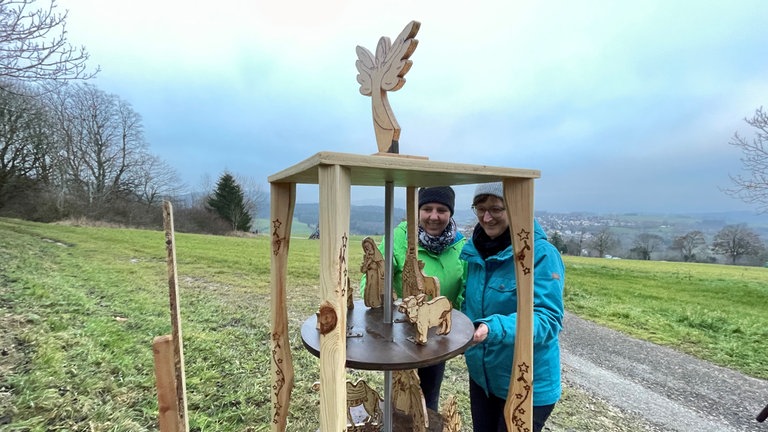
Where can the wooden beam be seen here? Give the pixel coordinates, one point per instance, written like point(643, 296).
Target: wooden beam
point(335, 190)
point(402, 171)
point(282, 203)
point(518, 198)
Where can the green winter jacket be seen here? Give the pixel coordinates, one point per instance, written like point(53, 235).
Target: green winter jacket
point(446, 266)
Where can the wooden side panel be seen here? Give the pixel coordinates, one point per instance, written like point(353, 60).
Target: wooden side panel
point(518, 410)
point(165, 377)
point(335, 187)
point(283, 199)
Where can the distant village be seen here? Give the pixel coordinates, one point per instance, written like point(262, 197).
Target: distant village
point(673, 237)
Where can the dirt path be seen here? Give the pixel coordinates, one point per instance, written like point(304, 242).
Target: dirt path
point(672, 391)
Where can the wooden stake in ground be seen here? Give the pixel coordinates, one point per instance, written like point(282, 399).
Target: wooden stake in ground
point(165, 376)
point(173, 292)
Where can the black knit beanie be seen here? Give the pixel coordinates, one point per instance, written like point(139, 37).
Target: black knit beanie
point(439, 194)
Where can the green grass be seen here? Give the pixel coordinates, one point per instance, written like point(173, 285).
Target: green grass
point(79, 308)
point(714, 312)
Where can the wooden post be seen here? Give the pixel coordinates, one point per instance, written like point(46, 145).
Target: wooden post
point(173, 291)
point(335, 188)
point(518, 198)
point(283, 198)
point(165, 376)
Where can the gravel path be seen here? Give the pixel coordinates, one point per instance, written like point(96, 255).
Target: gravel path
point(672, 391)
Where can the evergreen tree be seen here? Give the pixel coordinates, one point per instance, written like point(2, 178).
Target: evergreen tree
point(228, 201)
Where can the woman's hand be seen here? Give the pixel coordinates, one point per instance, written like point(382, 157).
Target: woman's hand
point(481, 333)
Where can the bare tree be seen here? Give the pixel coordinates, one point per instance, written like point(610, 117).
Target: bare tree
point(575, 243)
point(689, 244)
point(604, 242)
point(736, 241)
point(26, 147)
point(753, 187)
point(645, 244)
point(34, 46)
point(254, 196)
point(102, 146)
point(156, 180)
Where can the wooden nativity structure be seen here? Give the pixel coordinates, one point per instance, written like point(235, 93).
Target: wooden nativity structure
point(335, 174)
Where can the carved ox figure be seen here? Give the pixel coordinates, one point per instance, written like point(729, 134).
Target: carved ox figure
point(436, 312)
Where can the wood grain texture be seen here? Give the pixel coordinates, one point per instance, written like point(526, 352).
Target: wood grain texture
point(173, 294)
point(427, 314)
point(282, 203)
point(383, 72)
point(518, 410)
point(450, 413)
point(373, 268)
point(165, 378)
point(413, 283)
point(408, 398)
point(335, 189)
point(402, 171)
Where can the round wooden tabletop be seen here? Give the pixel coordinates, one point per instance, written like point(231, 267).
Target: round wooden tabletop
point(375, 345)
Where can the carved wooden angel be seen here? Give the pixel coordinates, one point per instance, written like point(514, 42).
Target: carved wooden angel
point(373, 267)
point(382, 73)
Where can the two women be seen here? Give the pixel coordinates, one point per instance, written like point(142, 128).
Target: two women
point(478, 276)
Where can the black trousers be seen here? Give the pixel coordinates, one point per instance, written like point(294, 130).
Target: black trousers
point(488, 411)
point(431, 377)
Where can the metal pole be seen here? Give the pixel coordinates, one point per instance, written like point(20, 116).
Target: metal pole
point(389, 210)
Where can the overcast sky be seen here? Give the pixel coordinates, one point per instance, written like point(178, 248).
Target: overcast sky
point(623, 106)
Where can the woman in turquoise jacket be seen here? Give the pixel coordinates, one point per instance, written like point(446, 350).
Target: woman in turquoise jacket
point(491, 303)
point(440, 244)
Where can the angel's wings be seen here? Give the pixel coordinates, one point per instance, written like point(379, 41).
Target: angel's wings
point(387, 69)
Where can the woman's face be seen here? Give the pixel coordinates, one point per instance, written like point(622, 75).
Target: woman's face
point(434, 217)
point(492, 216)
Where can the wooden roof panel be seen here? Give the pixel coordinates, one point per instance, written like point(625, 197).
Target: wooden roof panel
point(402, 170)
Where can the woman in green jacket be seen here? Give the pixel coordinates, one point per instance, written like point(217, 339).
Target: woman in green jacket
point(440, 244)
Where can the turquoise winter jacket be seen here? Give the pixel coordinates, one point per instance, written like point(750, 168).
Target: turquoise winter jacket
point(491, 298)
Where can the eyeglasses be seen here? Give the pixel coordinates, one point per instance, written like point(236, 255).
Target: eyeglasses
point(495, 212)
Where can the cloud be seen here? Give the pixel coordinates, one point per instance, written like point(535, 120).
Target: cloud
point(620, 105)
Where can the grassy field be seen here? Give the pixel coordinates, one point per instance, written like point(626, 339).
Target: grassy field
point(79, 308)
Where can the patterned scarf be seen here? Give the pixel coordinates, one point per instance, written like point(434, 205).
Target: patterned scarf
point(437, 244)
point(487, 246)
